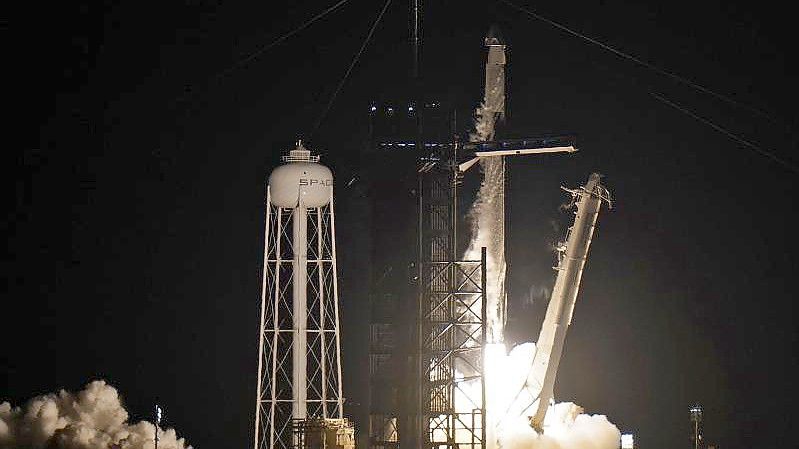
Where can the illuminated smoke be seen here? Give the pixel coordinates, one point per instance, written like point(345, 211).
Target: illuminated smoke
point(487, 214)
point(485, 120)
point(510, 404)
point(487, 217)
point(565, 427)
point(91, 419)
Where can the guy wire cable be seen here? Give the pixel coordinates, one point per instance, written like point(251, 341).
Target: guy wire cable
point(752, 146)
point(349, 70)
point(641, 62)
point(241, 61)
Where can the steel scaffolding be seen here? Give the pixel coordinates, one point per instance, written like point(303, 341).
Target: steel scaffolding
point(299, 365)
point(451, 332)
point(383, 366)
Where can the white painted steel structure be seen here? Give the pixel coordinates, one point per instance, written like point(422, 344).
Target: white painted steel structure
point(572, 256)
point(299, 363)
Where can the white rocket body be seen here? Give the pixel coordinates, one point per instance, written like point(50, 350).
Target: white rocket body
point(494, 95)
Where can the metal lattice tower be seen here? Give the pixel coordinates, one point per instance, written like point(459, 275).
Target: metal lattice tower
point(299, 363)
point(393, 376)
point(696, 427)
point(451, 331)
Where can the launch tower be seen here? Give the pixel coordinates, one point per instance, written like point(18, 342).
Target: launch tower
point(451, 326)
point(462, 309)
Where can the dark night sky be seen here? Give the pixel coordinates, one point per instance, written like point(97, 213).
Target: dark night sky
point(134, 217)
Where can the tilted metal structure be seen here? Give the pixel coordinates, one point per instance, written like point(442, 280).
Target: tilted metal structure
point(537, 393)
point(572, 255)
point(299, 363)
point(697, 441)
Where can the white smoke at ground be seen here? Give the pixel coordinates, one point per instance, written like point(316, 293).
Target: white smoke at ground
point(565, 427)
point(93, 418)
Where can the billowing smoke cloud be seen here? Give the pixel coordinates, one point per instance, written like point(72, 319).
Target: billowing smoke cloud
point(510, 404)
point(94, 418)
point(565, 427)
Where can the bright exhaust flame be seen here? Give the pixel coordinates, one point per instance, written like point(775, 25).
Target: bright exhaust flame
point(505, 378)
point(509, 405)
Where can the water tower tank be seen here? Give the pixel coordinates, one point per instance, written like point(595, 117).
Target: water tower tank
point(301, 177)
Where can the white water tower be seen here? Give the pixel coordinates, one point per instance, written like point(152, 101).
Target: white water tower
point(299, 363)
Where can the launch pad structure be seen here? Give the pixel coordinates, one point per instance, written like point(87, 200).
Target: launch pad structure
point(435, 394)
point(453, 326)
point(451, 330)
point(323, 433)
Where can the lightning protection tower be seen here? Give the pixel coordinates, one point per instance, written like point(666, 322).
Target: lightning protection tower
point(299, 362)
point(696, 427)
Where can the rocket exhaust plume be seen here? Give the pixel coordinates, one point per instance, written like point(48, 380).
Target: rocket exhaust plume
point(487, 216)
point(94, 418)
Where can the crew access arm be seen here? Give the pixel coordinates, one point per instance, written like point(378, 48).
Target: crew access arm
point(572, 257)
